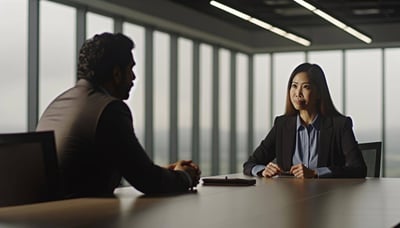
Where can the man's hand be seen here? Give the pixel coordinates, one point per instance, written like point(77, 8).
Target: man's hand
point(188, 166)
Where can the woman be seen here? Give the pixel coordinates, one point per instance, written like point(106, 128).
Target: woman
point(312, 139)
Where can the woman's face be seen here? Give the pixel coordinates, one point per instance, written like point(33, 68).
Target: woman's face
point(302, 94)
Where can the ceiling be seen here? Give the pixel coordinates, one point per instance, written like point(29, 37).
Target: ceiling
point(288, 14)
point(197, 19)
point(363, 15)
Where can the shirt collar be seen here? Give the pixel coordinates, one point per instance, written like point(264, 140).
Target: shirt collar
point(315, 123)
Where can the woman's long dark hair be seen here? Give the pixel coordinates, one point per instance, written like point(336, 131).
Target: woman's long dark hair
point(318, 82)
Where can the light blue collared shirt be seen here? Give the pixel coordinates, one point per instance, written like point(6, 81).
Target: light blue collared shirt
point(306, 151)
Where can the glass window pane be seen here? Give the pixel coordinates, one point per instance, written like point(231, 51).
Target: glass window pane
point(13, 62)
point(331, 63)
point(262, 97)
point(242, 81)
point(364, 93)
point(96, 24)
point(224, 109)
point(392, 113)
point(206, 55)
point(185, 97)
point(283, 65)
point(136, 98)
point(57, 59)
point(161, 97)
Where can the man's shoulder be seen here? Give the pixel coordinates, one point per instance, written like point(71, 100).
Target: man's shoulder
point(117, 108)
point(92, 97)
point(115, 117)
point(117, 105)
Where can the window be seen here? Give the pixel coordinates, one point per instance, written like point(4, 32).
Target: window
point(262, 97)
point(185, 97)
point(13, 62)
point(206, 73)
point(224, 109)
point(392, 110)
point(57, 64)
point(136, 98)
point(242, 81)
point(364, 93)
point(96, 24)
point(161, 97)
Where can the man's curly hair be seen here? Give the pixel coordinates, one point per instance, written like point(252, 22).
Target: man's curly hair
point(99, 55)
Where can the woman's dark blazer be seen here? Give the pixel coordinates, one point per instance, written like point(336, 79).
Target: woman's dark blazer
point(337, 146)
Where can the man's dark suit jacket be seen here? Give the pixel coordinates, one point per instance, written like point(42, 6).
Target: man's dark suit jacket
point(97, 145)
point(337, 146)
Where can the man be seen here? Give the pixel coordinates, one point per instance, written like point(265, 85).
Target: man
point(95, 139)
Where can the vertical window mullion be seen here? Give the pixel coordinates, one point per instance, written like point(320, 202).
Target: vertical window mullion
point(33, 64)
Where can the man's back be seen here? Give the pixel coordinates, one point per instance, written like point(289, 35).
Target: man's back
point(96, 146)
point(95, 139)
point(74, 117)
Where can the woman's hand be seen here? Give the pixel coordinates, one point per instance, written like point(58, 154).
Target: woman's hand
point(271, 170)
point(300, 171)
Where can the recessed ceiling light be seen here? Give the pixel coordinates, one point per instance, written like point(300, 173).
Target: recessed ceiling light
point(366, 11)
point(276, 2)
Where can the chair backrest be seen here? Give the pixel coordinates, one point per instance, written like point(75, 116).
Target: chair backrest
point(28, 168)
point(372, 156)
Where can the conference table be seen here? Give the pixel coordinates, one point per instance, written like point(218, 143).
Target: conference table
point(274, 202)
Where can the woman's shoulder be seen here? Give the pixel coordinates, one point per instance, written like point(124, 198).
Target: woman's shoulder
point(341, 120)
point(284, 119)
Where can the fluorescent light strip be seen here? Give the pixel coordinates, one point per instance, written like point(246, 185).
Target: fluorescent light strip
point(335, 21)
point(261, 23)
point(230, 10)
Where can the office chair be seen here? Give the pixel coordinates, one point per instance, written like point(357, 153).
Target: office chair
point(28, 168)
point(372, 156)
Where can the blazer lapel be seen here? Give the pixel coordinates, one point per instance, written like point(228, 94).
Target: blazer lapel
point(289, 142)
point(325, 138)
